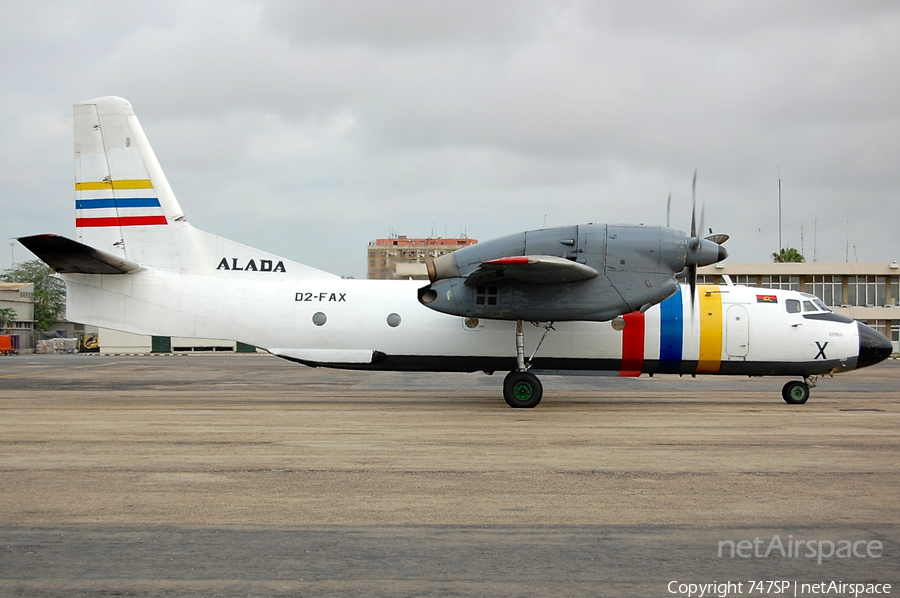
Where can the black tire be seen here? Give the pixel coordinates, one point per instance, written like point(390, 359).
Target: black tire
point(522, 390)
point(795, 392)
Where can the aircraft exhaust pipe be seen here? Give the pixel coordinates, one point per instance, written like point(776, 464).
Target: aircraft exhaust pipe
point(427, 295)
point(442, 267)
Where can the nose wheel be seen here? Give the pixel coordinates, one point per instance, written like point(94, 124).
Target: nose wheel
point(522, 390)
point(795, 392)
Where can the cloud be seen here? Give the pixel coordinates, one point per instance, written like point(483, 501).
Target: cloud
point(310, 128)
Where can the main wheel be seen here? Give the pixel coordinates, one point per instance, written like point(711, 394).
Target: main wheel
point(522, 389)
point(795, 392)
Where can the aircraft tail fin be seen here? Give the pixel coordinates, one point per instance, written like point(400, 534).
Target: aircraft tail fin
point(123, 202)
point(125, 208)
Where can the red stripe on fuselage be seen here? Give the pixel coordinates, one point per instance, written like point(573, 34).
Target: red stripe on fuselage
point(123, 221)
point(632, 345)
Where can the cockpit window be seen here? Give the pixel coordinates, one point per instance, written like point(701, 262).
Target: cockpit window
point(808, 306)
point(820, 305)
point(792, 306)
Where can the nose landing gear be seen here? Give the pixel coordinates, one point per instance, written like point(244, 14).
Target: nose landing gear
point(796, 392)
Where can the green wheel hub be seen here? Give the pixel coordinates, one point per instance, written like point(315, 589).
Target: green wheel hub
point(523, 391)
point(795, 393)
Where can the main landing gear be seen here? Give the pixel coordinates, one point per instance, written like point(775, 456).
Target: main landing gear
point(796, 392)
point(521, 388)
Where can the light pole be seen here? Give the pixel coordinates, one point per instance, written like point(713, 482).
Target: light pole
point(780, 246)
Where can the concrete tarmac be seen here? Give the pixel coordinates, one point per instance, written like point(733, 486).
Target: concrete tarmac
point(245, 475)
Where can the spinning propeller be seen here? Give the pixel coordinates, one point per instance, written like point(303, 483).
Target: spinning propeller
point(700, 252)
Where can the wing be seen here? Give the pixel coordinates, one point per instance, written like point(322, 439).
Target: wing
point(536, 269)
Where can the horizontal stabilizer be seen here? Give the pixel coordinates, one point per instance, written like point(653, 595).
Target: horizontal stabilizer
point(538, 269)
point(67, 256)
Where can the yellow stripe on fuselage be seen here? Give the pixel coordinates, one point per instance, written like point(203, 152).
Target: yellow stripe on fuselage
point(710, 358)
point(125, 184)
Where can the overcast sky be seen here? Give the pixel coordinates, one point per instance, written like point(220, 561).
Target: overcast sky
point(310, 128)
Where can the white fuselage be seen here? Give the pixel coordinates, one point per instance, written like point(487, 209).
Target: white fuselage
point(345, 323)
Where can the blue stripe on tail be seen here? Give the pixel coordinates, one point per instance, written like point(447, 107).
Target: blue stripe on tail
point(121, 202)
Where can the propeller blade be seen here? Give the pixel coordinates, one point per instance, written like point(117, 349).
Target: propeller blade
point(695, 242)
point(692, 280)
point(694, 205)
point(669, 211)
point(702, 219)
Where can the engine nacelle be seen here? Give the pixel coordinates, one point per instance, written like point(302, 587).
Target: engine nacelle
point(586, 272)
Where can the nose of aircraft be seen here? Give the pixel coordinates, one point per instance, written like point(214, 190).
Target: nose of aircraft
point(873, 346)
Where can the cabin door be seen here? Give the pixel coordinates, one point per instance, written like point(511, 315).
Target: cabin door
point(737, 332)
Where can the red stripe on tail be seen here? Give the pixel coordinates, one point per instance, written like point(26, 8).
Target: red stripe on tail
point(123, 221)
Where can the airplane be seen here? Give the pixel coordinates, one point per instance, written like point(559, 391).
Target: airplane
point(590, 298)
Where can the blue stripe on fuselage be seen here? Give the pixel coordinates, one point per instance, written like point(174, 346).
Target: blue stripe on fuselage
point(671, 333)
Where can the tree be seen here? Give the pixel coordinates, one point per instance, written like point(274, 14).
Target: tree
point(7, 317)
point(49, 292)
point(788, 255)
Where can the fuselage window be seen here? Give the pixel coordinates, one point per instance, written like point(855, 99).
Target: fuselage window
point(792, 306)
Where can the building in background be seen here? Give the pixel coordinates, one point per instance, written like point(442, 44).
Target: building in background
point(116, 342)
point(869, 293)
point(19, 296)
point(401, 258)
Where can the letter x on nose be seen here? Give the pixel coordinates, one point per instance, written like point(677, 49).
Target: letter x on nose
point(821, 352)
